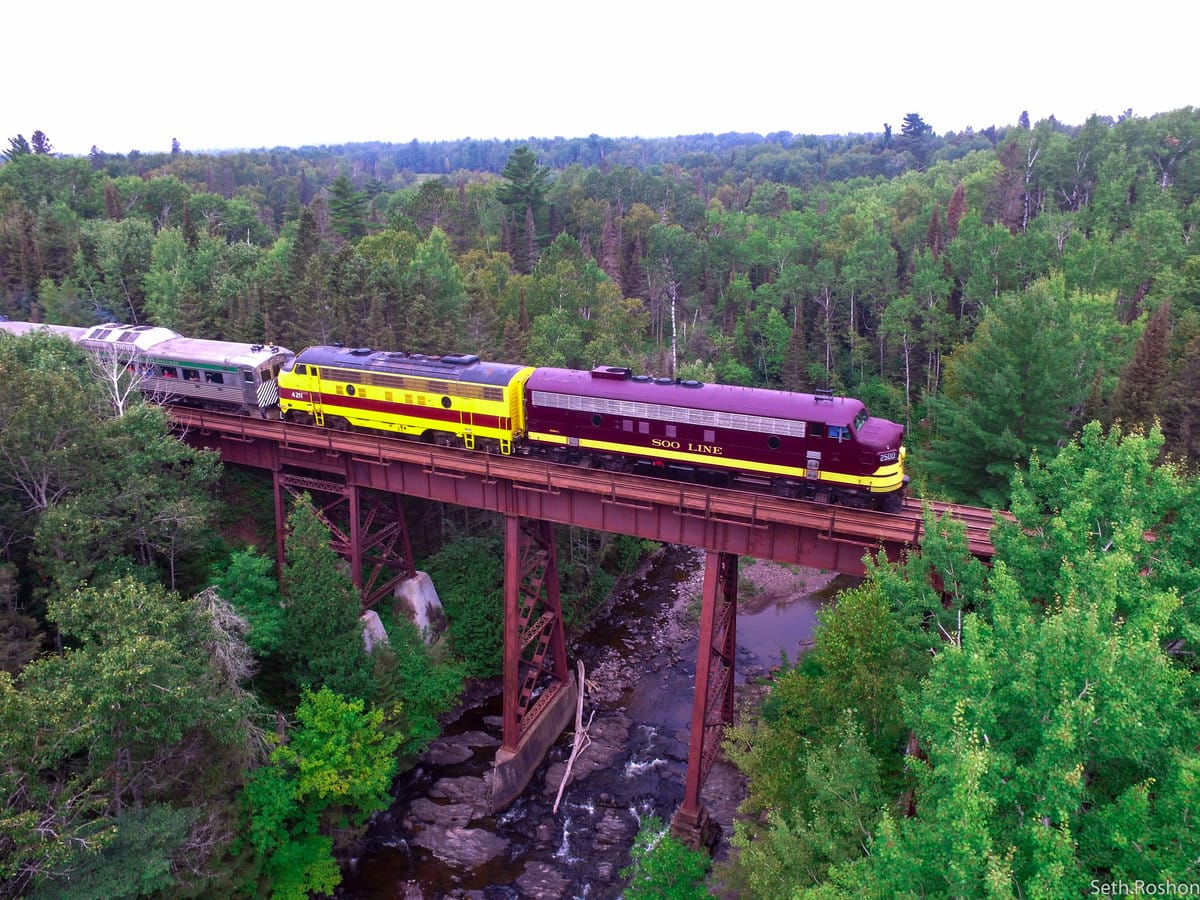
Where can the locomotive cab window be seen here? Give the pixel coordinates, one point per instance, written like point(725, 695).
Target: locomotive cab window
point(839, 432)
point(301, 369)
point(247, 376)
point(816, 429)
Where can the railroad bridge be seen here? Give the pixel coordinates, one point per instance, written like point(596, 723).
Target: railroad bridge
point(356, 480)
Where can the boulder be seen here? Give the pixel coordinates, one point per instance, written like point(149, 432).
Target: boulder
point(446, 815)
point(417, 599)
point(373, 633)
point(465, 848)
point(466, 789)
point(542, 880)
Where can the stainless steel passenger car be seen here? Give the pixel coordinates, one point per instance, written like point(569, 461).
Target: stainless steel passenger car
point(177, 369)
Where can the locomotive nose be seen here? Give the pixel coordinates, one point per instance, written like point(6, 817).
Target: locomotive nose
point(880, 434)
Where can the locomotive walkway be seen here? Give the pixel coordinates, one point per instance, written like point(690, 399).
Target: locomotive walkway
point(356, 469)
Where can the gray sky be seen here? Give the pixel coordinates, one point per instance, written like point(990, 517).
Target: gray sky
point(218, 74)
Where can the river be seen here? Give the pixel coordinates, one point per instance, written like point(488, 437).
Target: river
point(438, 840)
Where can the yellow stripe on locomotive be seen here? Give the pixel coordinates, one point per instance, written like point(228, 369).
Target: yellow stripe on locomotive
point(885, 479)
point(450, 400)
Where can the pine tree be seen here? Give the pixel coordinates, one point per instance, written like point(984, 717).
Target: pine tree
point(40, 144)
point(17, 146)
point(190, 235)
point(610, 243)
point(1014, 389)
point(1181, 406)
point(1137, 398)
point(934, 236)
point(526, 183)
point(347, 208)
point(955, 211)
point(530, 248)
point(322, 637)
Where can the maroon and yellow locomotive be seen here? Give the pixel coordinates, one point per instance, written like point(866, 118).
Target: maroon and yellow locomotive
point(812, 446)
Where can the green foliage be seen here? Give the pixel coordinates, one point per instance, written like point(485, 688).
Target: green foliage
point(120, 715)
point(861, 660)
point(663, 867)
point(469, 575)
point(147, 501)
point(840, 798)
point(417, 684)
point(1017, 388)
point(137, 863)
point(347, 208)
point(335, 771)
point(825, 752)
point(1103, 510)
point(248, 582)
point(1054, 735)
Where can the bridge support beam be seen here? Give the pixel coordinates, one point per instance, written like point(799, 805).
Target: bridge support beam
point(539, 692)
point(712, 704)
point(367, 530)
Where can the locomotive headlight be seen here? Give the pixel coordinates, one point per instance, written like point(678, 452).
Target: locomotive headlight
point(889, 457)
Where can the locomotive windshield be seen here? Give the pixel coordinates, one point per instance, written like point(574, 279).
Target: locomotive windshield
point(861, 419)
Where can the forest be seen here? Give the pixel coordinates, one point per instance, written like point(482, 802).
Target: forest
point(1026, 300)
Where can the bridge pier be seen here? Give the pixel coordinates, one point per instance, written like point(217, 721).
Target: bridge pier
point(539, 691)
point(712, 702)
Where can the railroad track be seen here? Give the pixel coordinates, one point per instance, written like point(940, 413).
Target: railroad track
point(528, 474)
